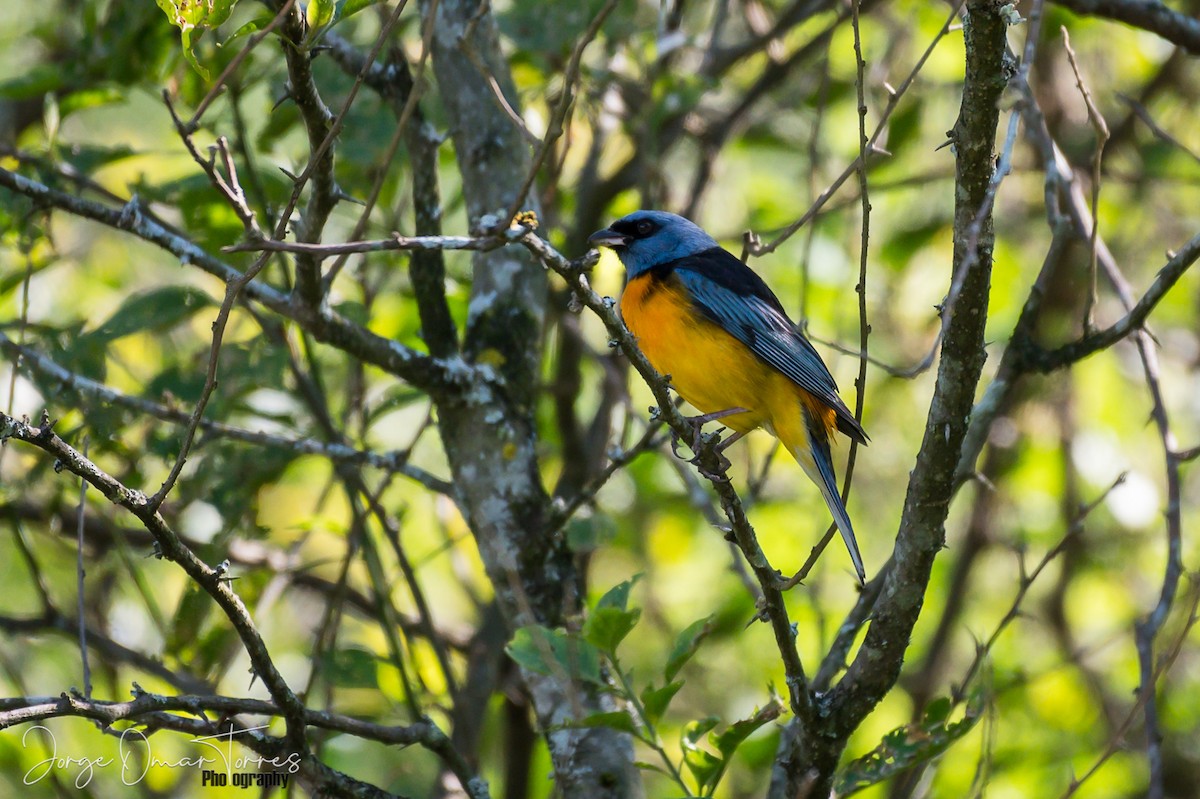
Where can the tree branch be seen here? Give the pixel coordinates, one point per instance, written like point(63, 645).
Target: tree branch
point(1034, 358)
point(66, 380)
point(325, 325)
point(1150, 15)
point(211, 580)
point(922, 527)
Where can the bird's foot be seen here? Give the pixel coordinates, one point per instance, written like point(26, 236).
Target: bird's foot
point(700, 438)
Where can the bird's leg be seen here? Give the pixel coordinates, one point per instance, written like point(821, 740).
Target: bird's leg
point(697, 423)
point(723, 463)
point(703, 419)
point(729, 439)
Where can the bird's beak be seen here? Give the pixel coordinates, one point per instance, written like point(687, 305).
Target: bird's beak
point(608, 238)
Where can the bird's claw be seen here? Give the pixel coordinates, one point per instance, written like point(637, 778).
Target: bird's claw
point(700, 439)
point(698, 442)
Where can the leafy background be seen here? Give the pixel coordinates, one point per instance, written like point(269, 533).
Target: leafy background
point(81, 105)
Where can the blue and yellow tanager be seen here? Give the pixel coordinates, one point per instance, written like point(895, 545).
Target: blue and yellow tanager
point(706, 319)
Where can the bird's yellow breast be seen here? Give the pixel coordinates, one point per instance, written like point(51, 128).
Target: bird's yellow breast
point(708, 367)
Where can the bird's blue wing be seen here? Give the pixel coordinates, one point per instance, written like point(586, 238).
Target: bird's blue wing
point(730, 294)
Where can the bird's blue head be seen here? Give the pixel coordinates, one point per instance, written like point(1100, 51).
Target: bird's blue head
point(646, 239)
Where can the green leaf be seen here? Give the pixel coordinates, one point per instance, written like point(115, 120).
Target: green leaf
point(606, 627)
point(938, 710)
point(618, 595)
point(588, 533)
point(615, 720)
point(33, 82)
point(79, 353)
point(89, 98)
point(156, 310)
point(908, 746)
point(547, 651)
point(733, 736)
point(656, 700)
point(904, 242)
point(693, 731)
point(644, 766)
point(686, 645)
point(191, 14)
point(319, 14)
point(348, 8)
point(193, 17)
point(89, 158)
point(253, 26)
point(704, 765)
point(352, 667)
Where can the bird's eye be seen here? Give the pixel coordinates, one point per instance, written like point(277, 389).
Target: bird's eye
point(644, 227)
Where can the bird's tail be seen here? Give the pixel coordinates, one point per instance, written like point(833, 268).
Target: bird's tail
point(808, 443)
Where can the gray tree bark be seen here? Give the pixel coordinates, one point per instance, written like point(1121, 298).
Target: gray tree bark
point(488, 430)
point(809, 754)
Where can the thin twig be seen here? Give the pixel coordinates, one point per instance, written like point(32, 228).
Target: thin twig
point(864, 327)
point(1025, 582)
point(64, 380)
point(560, 117)
point(323, 323)
point(1118, 740)
point(1141, 113)
point(395, 242)
point(234, 63)
point(170, 546)
point(80, 573)
point(1101, 128)
point(402, 129)
point(872, 144)
point(158, 711)
point(618, 459)
point(1037, 359)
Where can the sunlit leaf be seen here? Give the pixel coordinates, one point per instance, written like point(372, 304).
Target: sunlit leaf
point(908, 746)
point(253, 26)
point(656, 700)
point(686, 645)
point(319, 13)
point(89, 98)
point(546, 651)
point(704, 766)
point(193, 17)
point(154, 310)
point(606, 627)
point(618, 596)
point(731, 738)
point(615, 720)
point(351, 667)
point(348, 8)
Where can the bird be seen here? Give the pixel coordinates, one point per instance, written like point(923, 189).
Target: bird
point(711, 324)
